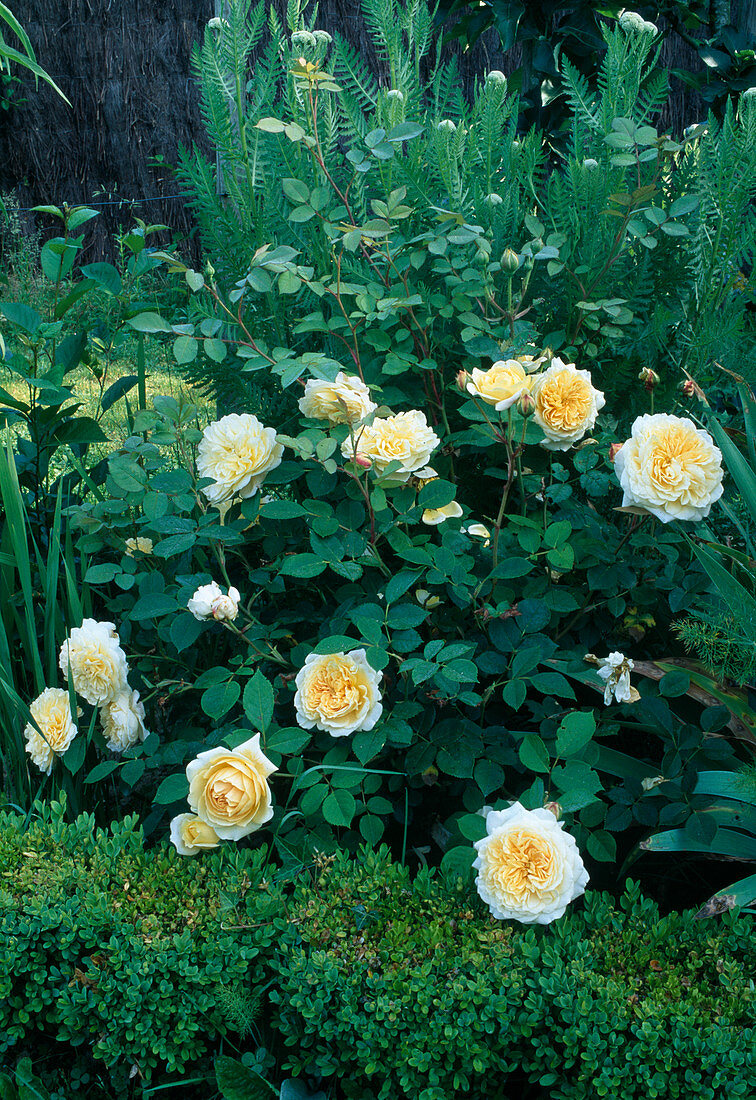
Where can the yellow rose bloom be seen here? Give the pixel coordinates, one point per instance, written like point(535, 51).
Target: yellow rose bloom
point(529, 869)
point(139, 545)
point(190, 835)
point(52, 712)
point(236, 452)
point(669, 468)
point(405, 438)
point(228, 789)
point(344, 401)
point(501, 385)
point(566, 404)
point(338, 693)
point(93, 657)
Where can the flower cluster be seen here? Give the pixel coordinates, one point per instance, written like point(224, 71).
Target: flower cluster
point(229, 797)
point(94, 665)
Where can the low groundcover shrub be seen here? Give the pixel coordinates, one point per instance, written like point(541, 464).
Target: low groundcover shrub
point(384, 985)
point(120, 948)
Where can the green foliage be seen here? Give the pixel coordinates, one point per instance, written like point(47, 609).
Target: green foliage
point(402, 988)
point(107, 943)
point(385, 984)
point(25, 57)
point(377, 218)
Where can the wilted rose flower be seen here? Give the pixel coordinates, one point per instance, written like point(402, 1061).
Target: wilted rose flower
point(228, 789)
point(139, 545)
point(52, 712)
point(209, 602)
point(93, 657)
point(338, 693)
point(190, 835)
point(615, 671)
point(669, 468)
point(529, 869)
point(123, 721)
point(344, 401)
point(236, 452)
point(566, 404)
point(501, 385)
point(405, 438)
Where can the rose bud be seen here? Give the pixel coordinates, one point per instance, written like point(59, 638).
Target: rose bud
point(614, 450)
point(649, 378)
point(526, 405)
point(510, 261)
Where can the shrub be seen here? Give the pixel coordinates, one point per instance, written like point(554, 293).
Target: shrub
point(403, 988)
point(125, 949)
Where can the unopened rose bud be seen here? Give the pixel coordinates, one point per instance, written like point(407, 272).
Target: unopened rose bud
point(363, 461)
point(537, 244)
point(462, 379)
point(526, 405)
point(510, 261)
point(614, 450)
point(555, 809)
point(649, 378)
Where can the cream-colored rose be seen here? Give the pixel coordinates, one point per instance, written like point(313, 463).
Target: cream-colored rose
point(405, 438)
point(501, 385)
point(123, 721)
point(338, 692)
point(94, 658)
point(566, 404)
point(434, 516)
point(228, 789)
point(139, 545)
point(669, 468)
point(531, 362)
point(344, 401)
point(209, 602)
point(236, 452)
point(529, 869)
point(189, 835)
point(52, 712)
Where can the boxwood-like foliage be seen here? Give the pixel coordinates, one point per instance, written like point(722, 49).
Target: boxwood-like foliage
point(405, 988)
point(125, 949)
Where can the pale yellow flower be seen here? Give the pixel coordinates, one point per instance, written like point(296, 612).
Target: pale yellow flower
point(405, 438)
point(344, 401)
point(566, 404)
point(190, 835)
point(338, 693)
point(92, 655)
point(123, 721)
point(434, 516)
point(529, 869)
point(228, 789)
point(139, 545)
point(669, 468)
point(501, 385)
point(52, 712)
point(236, 452)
